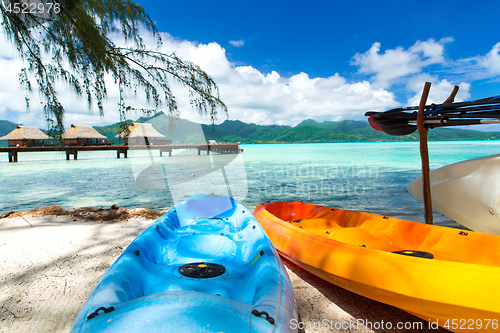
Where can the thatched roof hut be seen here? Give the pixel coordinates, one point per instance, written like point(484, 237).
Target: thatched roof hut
point(141, 134)
point(26, 136)
point(26, 133)
point(140, 130)
point(82, 132)
point(83, 135)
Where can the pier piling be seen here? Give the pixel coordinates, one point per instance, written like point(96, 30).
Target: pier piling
point(219, 148)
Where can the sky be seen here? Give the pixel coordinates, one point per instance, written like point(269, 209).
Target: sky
point(280, 62)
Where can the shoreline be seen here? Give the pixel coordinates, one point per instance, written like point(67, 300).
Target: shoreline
point(114, 213)
point(52, 263)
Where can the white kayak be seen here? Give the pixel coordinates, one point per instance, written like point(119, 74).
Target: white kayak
point(467, 192)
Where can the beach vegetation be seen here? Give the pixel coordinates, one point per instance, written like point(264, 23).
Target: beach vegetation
point(75, 44)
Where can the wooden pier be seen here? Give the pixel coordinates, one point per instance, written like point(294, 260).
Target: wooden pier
point(221, 148)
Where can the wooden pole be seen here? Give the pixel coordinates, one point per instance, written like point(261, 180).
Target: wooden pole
point(424, 154)
point(451, 98)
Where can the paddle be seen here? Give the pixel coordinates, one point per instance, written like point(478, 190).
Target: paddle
point(399, 122)
point(391, 126)
point(409, 126)
point(401, 114)
point(431, 123)
point(442, 107)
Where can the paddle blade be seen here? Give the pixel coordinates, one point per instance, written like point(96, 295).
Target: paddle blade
point(373, 123)
point(391, 126)
point(398, 129)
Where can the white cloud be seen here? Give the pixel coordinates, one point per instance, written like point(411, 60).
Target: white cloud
point(237, 43)
point(440, 90)
point(271, 99)
point(398, 63)
point(491, 61)
point(251, 96)
point(264, 98)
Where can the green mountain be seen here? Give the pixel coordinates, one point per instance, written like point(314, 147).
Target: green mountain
point(180, 131)
point(328, 131)
point(184, 131)
point(5, 128)
point(343, 125)
point(110, 131)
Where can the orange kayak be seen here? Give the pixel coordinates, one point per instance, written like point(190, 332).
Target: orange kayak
point(446, 276)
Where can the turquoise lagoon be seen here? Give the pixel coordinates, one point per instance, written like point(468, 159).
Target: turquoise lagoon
point(369, 177)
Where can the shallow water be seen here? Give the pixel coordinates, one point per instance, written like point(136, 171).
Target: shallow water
point(369, 177)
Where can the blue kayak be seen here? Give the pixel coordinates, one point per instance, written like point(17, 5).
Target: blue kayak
point(205, 266)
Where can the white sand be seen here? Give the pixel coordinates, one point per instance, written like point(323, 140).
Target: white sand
point(49, 269)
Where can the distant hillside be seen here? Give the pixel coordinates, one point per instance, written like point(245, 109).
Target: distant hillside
point(185, 131)
point(109, 131)
point(180, 131)
point(5, 128)
point(327, 131)
point(343, 125)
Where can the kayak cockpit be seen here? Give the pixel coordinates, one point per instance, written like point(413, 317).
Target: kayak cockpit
point(207, 256)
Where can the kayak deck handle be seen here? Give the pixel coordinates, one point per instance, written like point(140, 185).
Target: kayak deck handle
point(259, 314)
point(103, 309)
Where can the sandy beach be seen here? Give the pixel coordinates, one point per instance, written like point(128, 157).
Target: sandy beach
point(51, 263)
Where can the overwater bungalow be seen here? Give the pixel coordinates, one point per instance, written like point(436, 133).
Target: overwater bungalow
point(84, 135)
point(138, 134)
point(27, 136)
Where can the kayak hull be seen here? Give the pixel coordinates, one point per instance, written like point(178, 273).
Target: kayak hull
point(192, 311)
point(357, 254)
point(204, 266)
point(467, 192)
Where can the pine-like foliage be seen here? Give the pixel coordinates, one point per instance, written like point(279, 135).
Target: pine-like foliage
point(76, 41)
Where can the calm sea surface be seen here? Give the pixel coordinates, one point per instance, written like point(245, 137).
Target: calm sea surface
point(369, 177)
